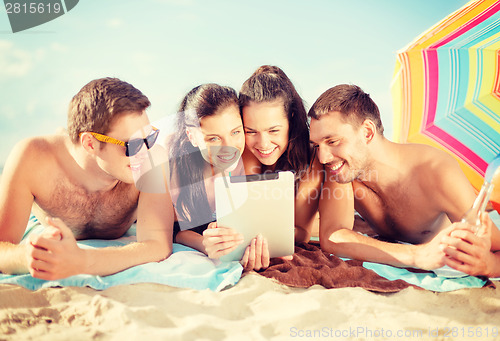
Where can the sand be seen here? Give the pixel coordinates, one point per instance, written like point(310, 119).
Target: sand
point(255, 309)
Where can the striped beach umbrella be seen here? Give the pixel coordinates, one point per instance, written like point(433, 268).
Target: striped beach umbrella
point(446, 88)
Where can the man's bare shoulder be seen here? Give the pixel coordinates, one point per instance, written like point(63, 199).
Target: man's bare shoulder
point(38, 147)
point(439, 173)
point(35, 158)
point(26, 153)
point(427, 158)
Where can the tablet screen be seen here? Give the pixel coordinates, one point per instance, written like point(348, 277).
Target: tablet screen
point(259, 203)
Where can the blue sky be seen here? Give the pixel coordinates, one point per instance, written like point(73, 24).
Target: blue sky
point(166, 47)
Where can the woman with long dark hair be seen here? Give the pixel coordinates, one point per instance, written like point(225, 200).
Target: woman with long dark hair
point(208, 142)
point(277, 135)
point(275, 120)
point(277, 139)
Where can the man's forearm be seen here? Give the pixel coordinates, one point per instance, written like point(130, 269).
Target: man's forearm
point(350, 244)
point(110, 260)
point(13, 258)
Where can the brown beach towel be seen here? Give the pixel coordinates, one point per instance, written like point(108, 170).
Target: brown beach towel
point(310, 266)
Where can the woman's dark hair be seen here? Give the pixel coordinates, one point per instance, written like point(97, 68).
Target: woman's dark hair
point(267, 84)
point(186, 161)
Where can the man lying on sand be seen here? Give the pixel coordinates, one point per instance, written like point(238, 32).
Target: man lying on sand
point(83, 178)
point(406, 192)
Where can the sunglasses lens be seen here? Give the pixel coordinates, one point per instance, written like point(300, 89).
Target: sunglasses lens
point(151, 139)
point(134, 146)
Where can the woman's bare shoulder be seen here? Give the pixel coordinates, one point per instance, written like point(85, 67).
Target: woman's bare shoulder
point(251, 163)
point(314, 175)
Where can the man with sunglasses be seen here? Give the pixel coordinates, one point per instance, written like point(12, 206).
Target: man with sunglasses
point(85, 180)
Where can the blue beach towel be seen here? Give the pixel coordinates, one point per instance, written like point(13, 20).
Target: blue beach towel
point(438, 281)
point(185, 268)
point(426, 280)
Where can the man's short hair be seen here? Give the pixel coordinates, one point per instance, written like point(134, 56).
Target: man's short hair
point(352, 102)
point(101, 101)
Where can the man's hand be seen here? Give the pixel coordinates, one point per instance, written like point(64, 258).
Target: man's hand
point(54, 254)
point(469, 252)
point(430, 256)
point(219, 241)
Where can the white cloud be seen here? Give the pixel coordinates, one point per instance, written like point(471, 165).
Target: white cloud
point(114, 23)
point(58, 47)
point(39, 54)
point(14, 62)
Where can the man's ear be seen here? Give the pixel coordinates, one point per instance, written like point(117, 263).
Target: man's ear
point(89, 143)
point(191, 138)
point(369, 130)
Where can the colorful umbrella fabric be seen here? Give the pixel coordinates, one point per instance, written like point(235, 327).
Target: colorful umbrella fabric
point(446, 88)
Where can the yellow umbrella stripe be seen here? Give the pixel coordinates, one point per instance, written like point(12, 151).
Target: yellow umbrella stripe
point(397, 103)
point(480, 100)
point(451, 23)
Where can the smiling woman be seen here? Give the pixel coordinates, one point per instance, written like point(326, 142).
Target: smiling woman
point(277, 139)
point(266, 131)
point(275, 121)
point(208, 141)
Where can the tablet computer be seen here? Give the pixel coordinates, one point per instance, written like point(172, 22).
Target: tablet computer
point(259, 203)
